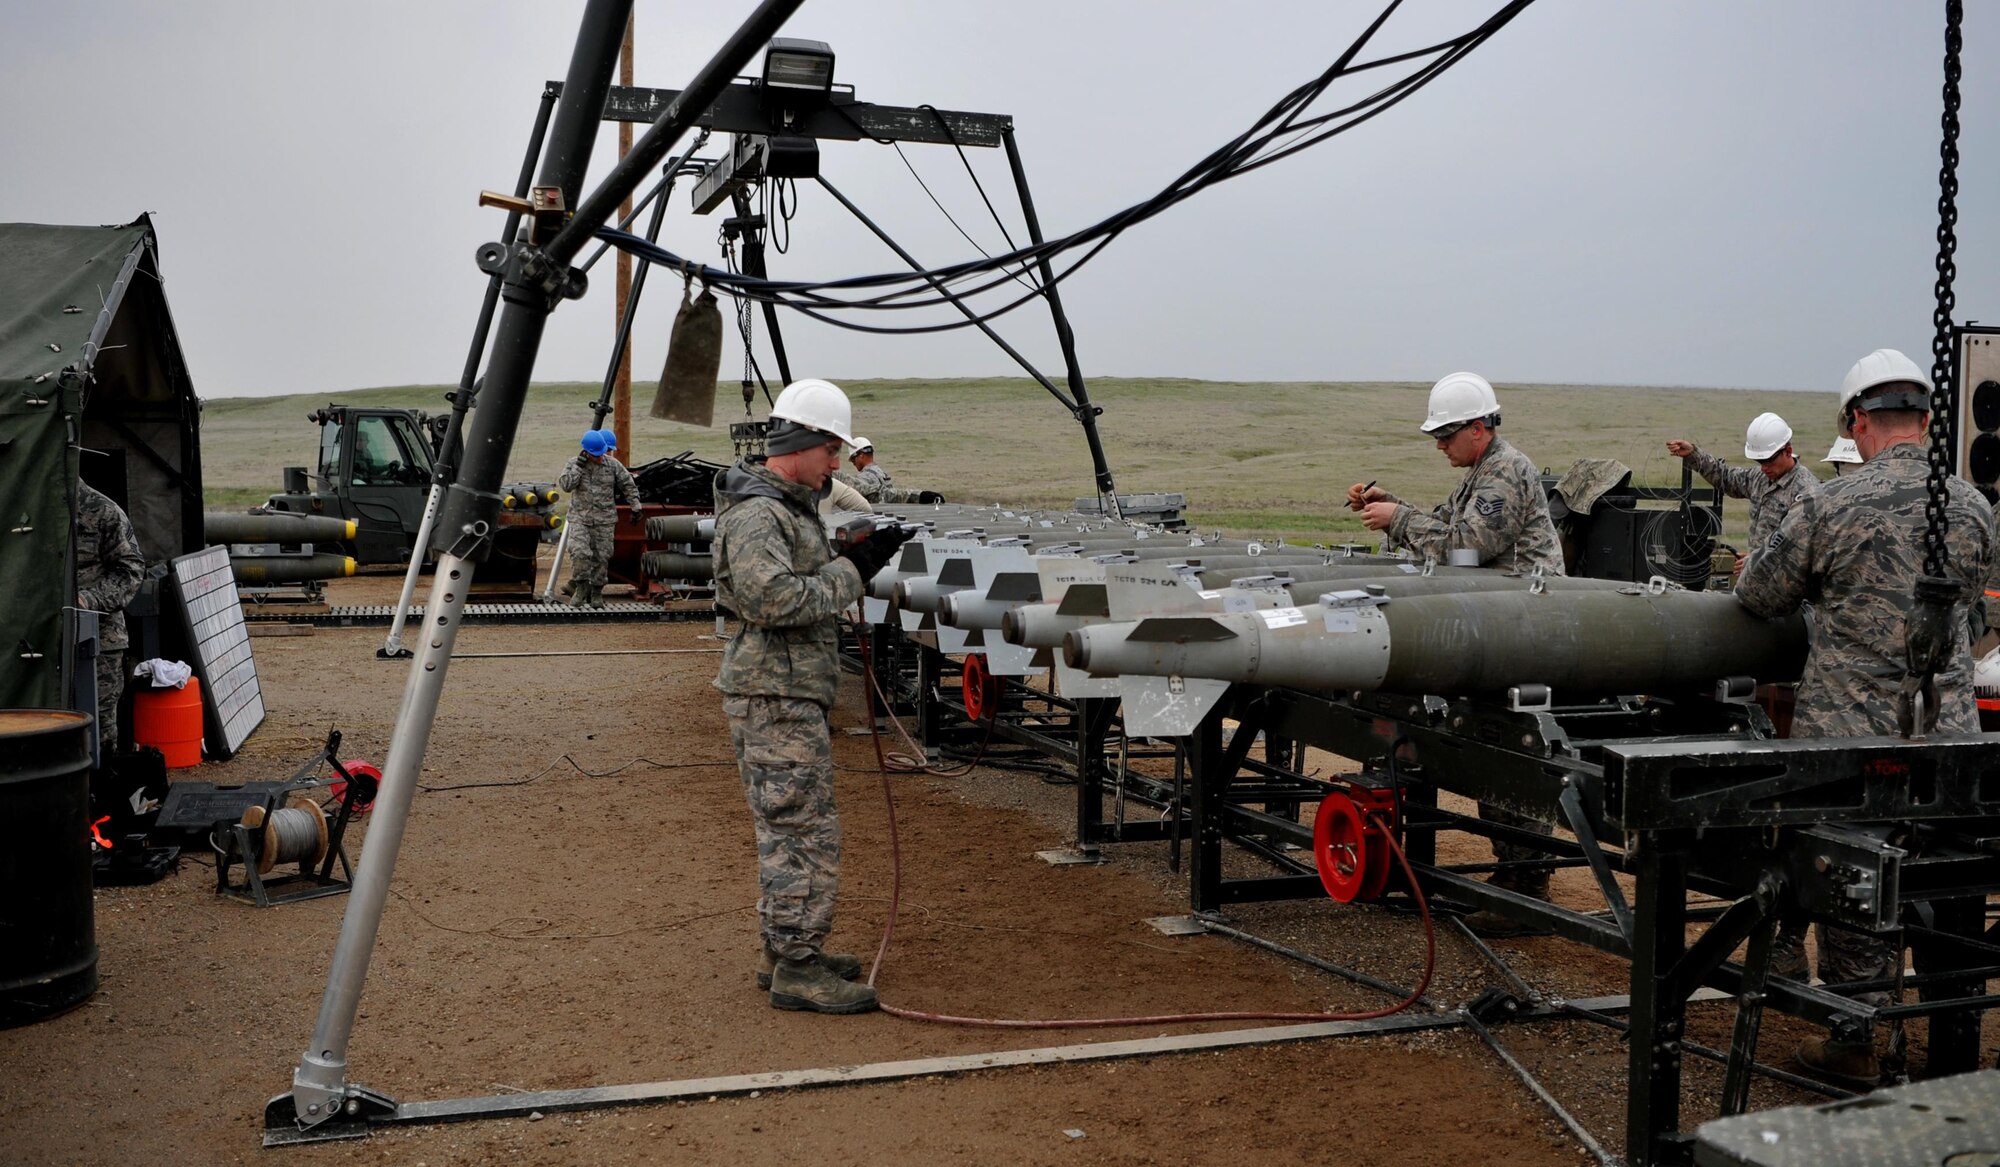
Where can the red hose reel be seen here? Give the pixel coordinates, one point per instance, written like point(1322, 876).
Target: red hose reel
point(1349, 849)
point(981, 688)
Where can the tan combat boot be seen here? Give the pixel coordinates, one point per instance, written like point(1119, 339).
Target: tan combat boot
point(1788, 955)
point(1497, 926)
point(844, 965)
point(811, 986)
point(1848, 1063)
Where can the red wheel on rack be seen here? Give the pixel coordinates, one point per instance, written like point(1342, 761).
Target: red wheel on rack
point(1377, 861)
point(981, 688)
point(1340, 848)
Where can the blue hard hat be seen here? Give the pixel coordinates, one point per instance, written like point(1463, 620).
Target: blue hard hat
point(594, 443)
point(610, 439)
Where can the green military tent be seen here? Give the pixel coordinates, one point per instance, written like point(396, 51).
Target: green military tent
point(92, 381)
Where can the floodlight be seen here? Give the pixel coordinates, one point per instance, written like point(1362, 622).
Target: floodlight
point(799, 66)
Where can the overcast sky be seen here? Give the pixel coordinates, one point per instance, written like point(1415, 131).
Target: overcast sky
point(1698, 192)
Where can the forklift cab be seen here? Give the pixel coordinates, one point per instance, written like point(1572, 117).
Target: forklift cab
point(378, 463)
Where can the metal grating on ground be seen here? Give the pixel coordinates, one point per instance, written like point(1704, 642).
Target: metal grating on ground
point(380, 615)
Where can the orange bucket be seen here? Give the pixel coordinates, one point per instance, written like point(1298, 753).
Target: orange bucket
point(170, 719)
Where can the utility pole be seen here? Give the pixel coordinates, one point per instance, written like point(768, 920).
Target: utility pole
point(621, 388)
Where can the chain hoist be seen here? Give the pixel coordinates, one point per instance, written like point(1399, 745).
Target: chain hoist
point(1931, 634)
point(743, 325)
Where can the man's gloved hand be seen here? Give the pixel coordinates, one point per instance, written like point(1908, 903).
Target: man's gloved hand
point(928, 498)
point(869, 556)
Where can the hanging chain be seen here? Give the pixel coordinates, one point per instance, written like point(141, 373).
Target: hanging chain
point(1944, 357)
point(743, 326)
point(1931, 633)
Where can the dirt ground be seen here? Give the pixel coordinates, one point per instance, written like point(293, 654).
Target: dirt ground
point(557, 926)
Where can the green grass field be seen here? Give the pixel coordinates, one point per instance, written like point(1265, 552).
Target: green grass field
point(1255, 458)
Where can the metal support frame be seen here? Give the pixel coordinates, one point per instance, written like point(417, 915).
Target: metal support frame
point(462, 400)
point(1084, 411)
point(1585, 764)
point(741, 109)
point(533, 281)
point(371, 1109)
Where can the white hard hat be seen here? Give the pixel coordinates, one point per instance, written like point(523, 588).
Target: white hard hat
point(1461, 397)
point(1843, 450)
point(862, 445)
point(818, 405)
point(1986, 676)
point(1767, 435)
point(1884, 366)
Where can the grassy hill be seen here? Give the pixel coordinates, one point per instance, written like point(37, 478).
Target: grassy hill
point(1255, 458)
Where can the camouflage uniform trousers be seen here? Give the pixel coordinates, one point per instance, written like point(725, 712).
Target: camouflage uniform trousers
point(110, 687)
point(1507, 852)
point(784, 750)
point(590, 553)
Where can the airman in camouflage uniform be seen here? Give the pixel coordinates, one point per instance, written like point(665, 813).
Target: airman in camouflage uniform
point(109, 570)
point(1854, 550)
point(873, 482)
point(775, 571)
point(1769, 497)
point(596, 485)
point(1500, 512)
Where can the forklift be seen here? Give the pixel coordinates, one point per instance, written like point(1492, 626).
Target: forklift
point(375, 468)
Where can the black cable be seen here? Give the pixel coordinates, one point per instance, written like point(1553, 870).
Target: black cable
point(971, 173)
point(947, 214)
point(578, 767)
point(1273, 136)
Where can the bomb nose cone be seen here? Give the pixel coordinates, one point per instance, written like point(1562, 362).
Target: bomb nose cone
point(1010, 626)
point(900, 594)
point(1076, 650)
point(947, 612)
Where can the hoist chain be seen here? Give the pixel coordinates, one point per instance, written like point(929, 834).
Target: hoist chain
point(743, 326)
point(1944, 358)
point(1931, 635)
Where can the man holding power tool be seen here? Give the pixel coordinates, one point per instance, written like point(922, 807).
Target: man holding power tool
point(775, 570)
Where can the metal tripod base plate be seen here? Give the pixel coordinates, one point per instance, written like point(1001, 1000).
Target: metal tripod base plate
point(364, 1108)
point(399, 654)
point(1071, 857)
point(1176, 925)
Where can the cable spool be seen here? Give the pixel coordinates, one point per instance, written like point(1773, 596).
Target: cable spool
point(1683, 565)
point(1352, 860)
point(292, 834)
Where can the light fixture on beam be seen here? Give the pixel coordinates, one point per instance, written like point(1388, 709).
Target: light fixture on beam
point(798, 67)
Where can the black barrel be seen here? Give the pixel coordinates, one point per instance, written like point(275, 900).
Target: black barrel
point(48, 937)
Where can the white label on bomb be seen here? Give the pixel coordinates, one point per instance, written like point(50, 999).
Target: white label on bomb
point(1283, 618)
point(1337, 621)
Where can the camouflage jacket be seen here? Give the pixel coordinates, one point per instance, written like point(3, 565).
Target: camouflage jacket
point(1499, 510)
point(1854, 550)
point(1768, 500)
point(109, 564)
point(595, 489)
point(873, 482)
point(774, 570)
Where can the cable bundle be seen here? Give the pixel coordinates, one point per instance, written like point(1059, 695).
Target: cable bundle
point(1282, 131)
